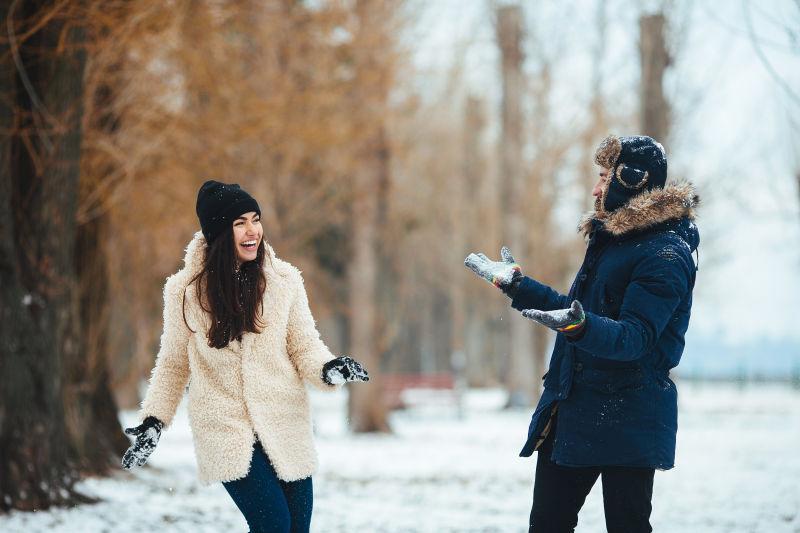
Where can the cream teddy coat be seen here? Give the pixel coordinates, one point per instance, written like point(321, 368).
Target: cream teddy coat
point(249, 389)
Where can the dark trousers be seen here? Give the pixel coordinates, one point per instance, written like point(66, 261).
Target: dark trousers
point(268, 504)
point(559, 493)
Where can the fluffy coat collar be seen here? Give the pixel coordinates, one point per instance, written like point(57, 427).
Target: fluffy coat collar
point(675, 201)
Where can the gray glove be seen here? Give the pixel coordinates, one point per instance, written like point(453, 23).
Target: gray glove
point(343, 369)
point(147, 434)
point(570, 321)
point(502, 274)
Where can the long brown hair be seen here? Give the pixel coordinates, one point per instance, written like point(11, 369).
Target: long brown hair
point(235, 298)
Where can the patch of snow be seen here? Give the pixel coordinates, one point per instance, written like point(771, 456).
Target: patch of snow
point(736, 471)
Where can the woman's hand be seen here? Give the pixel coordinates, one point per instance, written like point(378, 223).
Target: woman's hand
point(147, 434)
point(343, 369)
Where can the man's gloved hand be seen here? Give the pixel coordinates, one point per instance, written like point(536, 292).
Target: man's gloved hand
point(505, 274)
point(567, 321)
point(343, 369)
point(147, 434)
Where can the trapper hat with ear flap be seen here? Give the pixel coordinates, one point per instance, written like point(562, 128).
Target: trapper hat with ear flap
point(635, 164)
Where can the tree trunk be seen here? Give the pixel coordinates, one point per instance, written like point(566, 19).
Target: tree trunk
point(368, 98)
point(91, 410)
point(654, 108)
point(520, 379)
point(598, 126)
point(467, 349)
point(366, 409)
point(38, 202)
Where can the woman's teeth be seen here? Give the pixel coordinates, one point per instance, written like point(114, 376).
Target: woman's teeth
point(249, 244)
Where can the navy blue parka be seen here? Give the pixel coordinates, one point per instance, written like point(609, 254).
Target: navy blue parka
point(610, 388)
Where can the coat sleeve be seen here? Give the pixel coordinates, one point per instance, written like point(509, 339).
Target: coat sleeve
point(658, 285)
point(534, 295)
point(171, 371)
point(303, 344)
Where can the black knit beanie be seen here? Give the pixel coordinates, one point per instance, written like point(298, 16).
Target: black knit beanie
point(635, 164)
point(219, 204)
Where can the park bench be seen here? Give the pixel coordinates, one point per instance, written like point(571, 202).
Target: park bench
point(404, 390)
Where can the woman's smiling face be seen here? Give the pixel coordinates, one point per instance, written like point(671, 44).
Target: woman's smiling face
point(247, 233)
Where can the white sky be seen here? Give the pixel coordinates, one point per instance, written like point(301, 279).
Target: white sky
point(731, 134)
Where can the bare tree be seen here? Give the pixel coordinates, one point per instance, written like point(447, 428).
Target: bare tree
point(789, 26)
point(366, 409)
point(42, 83)
point(654, 58)
point(510, 34)
point(598, 124)
point(372, 53)
point(465, 207)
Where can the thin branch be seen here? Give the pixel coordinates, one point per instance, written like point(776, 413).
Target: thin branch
point(23, 74)
point(764, 60)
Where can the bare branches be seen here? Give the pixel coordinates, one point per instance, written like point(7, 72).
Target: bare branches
point(793, 95)
point(23, 75)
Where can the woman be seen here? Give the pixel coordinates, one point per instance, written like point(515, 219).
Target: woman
point(238, 329)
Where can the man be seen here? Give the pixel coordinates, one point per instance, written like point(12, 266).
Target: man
point(609, 408)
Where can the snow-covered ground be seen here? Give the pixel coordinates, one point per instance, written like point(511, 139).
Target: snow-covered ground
point(738, 470)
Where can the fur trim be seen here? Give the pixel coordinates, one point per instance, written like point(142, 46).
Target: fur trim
point(676, 200)
point(633, 171)
point(248, 389)
point(608, 152)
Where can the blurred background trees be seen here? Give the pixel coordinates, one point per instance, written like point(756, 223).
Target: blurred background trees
point(375, 177)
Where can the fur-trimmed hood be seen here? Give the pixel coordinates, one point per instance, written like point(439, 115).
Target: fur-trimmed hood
point(676, 201)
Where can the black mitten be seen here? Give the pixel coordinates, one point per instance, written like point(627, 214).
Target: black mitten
point(147, 434)
point(343, 369)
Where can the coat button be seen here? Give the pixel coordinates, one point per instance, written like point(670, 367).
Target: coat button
point(583, 277)
point(578, 367)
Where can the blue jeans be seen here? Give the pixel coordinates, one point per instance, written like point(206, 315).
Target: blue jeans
point(269, 504)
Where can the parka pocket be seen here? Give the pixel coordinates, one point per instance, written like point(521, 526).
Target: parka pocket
point(612, 381)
